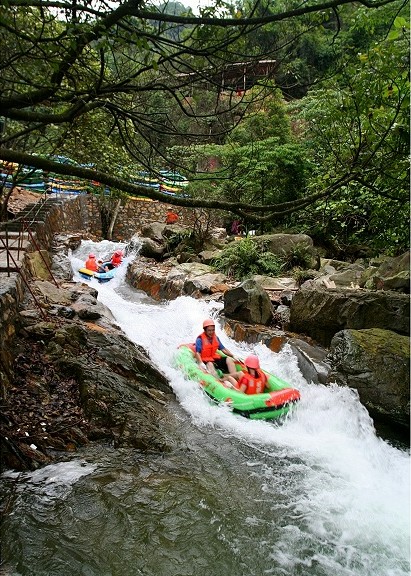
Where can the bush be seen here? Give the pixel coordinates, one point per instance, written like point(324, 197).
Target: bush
point(298, 257)
point(243, 258)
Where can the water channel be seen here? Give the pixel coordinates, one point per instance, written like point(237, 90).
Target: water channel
point(318, 495)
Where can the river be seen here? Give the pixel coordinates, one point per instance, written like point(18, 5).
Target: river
point(319, 494)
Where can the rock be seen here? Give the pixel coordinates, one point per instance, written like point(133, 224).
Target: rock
point(50, 294)
point(39, 264)
point(133, 246)
point(151, 249)
point(248, 302)
point(320, 313)
point(203, 284)
point(208, 256)
point(62, 311)
point(153, 280)
point(334, 274)
point(292, 246)
point(312, 360)
point(20, 198)
point(170, 280)
point(392, 274)
point(255, 334)
point(154, 231)
point(184, 257)
point(281, 316)
point(286, 297)
point(278, 284)
point(61, 268)
point(88, 308)
point(376, 362)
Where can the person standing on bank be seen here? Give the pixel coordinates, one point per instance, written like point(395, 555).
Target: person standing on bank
point(171, 216)
point(207, 344)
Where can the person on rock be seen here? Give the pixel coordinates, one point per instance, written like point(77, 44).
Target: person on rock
point(91, 263)
point(206, 345)
point(171, 216)
point(254, 380)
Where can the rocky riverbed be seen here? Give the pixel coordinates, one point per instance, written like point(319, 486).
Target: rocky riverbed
point(78, 379)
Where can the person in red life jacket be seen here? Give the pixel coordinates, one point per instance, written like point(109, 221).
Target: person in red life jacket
point(115, 260)
point(171, 217)
point(207, 344)
point(91, 263)
point(254, 380)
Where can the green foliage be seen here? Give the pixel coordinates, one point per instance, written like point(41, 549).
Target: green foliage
point(298, 256)
point(178, 239)
point(358, 123)
point(265, 116)
point(243, 258)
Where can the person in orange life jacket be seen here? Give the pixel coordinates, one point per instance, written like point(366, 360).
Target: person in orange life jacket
point(207, 344)
point(254, 380)
point(91, 263)
point(171, 217)
point(115, 260)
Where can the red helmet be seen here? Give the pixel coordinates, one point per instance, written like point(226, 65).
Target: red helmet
point(91, 255)
point(208, 322)
point(252, 362)
point(118, 253)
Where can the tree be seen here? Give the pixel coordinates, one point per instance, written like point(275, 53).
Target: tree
point(66, 63)
point(363, 121)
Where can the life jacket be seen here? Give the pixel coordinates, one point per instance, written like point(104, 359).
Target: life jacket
point(209, 349)
point(91, 264)
point(171, 218)
point(254, 385)
point(116, 260)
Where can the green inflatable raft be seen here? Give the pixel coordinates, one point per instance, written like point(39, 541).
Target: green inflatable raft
point(273, 403)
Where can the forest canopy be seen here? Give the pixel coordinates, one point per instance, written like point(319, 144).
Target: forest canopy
point(279, 112)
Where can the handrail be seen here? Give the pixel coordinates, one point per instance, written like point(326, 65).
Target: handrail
point(24, 226)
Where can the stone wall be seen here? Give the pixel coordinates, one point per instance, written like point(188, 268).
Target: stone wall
point(11, 294)
point(136, 213)
point(46, 220)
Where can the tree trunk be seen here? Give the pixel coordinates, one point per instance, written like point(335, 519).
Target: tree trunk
point(113, 219)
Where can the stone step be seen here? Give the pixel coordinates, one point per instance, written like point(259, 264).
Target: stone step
point(13, 245)
point(12, 235)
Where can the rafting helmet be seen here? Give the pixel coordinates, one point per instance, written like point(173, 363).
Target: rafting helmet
point(252, 362)
point(91, 255)
point(208, 322)
point(118, 253)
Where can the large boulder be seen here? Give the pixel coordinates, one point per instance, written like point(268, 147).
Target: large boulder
point(205, 284)
point(154, 231)
point(248, 302)
point(287, 245)
point(377, 363)
point(337, 274)
point(171, 280)
point(321, 313)
point(152, 249)
point(392, 274)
